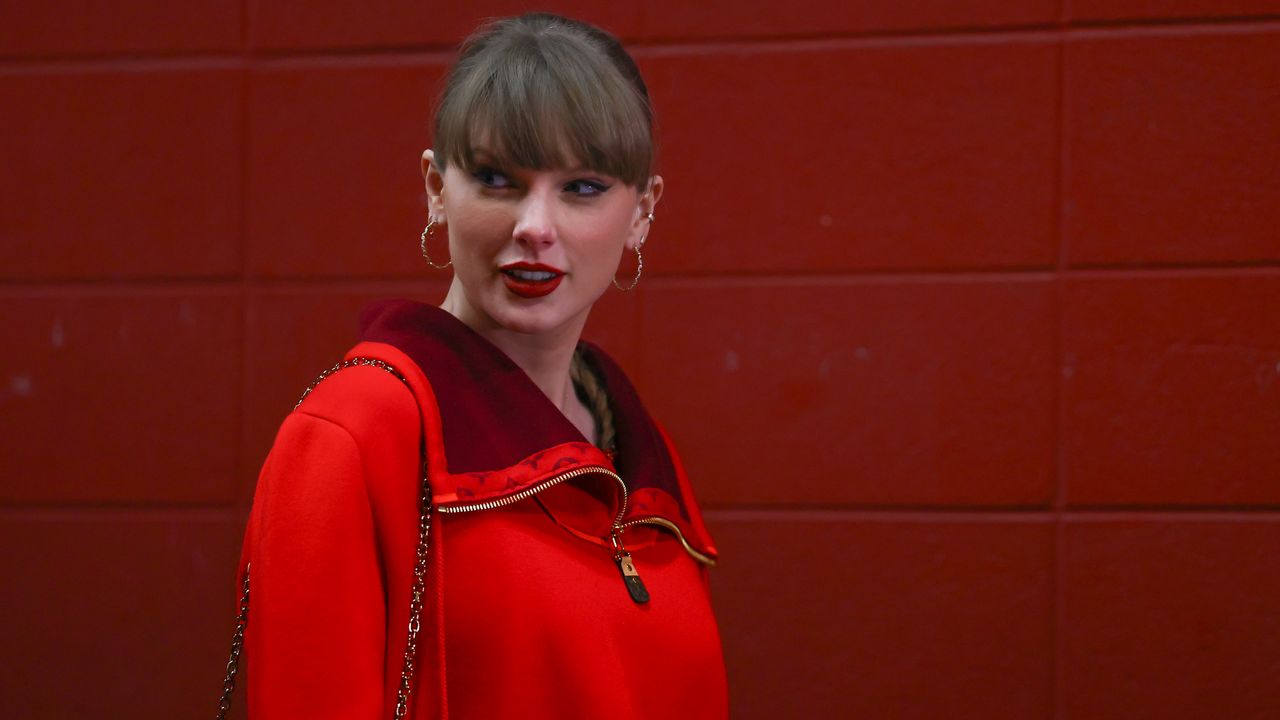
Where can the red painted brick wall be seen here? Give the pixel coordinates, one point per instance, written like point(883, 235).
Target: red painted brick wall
point(964, 314)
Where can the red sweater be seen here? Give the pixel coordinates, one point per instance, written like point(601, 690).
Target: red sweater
point(527, 614)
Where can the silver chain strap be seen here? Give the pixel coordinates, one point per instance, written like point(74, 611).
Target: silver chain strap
point(419, 573)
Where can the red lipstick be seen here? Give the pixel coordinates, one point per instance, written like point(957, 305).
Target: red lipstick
point(531, 280)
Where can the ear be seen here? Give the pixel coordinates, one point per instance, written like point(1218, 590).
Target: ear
point(434, 178)
point(645, 207)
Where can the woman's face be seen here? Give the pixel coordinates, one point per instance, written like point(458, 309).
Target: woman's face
point(533, 249)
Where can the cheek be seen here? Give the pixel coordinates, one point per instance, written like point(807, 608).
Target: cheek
point(477, 231)
point(601, 248)
point(597, 270)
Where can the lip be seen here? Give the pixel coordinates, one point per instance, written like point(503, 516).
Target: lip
point(531, 266)
point(531, 288)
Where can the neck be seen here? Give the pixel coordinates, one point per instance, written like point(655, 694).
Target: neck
point(544, 356)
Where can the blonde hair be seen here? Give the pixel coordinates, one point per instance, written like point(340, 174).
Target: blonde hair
point(591, 392)
point(543, 91)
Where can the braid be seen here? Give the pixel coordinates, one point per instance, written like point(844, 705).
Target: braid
point(593, 395)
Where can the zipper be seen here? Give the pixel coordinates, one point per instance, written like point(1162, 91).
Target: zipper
point(630, 576)
point(543, 485)
point(675, 529)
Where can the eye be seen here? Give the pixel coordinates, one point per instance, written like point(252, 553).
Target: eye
point(489, 177)
point(586, 188)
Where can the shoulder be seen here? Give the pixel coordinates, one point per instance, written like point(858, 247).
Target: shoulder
point(367, 397)
point(356, 429)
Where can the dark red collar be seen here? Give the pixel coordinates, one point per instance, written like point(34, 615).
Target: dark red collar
point(492, 414)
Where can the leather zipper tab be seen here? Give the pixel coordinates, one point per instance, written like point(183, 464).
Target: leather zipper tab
point(635, 586)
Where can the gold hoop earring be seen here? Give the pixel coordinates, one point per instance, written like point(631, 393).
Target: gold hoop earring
point(639, 262)
point(635, 280)
point(427, 233)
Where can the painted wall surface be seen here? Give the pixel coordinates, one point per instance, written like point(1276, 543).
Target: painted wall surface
point(965, 314)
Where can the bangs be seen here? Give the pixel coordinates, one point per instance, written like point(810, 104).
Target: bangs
point(545, 105)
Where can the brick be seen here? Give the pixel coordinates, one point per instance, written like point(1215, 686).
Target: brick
point(1166, 9)
point(825, 617)
point(117, 610)
point(1172, 390)
point(1171, 619)
point(120, 174)
point(864, 392)
point(336, 187)
point(855, 157)
point(1172, 145)
point(79, 27)
point(348, 23)
point(120, 398)
point(759, 18)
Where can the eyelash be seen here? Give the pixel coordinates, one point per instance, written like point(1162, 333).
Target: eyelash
point(596, 188)
point(486, 176)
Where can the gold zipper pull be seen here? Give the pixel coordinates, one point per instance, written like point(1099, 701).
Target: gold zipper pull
point(635, 586)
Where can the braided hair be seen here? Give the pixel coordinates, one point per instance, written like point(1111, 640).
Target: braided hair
point(592, 393)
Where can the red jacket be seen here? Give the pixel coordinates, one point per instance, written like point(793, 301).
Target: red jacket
point(527, 614)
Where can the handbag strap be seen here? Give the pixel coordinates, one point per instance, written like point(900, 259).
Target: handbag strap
point(419, 572)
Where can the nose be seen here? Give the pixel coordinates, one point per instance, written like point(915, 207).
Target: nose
point(535, 223)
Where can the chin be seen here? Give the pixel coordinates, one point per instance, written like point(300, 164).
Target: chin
point(531, 318)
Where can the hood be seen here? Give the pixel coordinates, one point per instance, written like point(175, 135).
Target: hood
point(503, 436)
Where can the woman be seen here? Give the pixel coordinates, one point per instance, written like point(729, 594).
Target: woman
point(564, 572)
